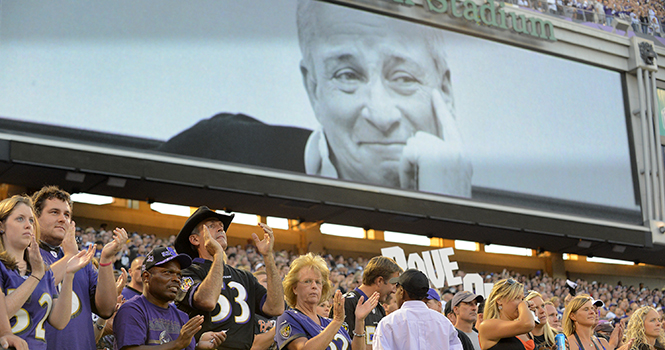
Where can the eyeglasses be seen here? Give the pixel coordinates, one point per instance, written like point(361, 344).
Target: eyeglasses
point(212, 225)
point(510, 281)
point(319, 283)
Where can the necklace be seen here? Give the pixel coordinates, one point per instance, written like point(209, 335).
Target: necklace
point(591, 343)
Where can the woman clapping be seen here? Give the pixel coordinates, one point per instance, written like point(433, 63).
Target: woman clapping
point(300, 328)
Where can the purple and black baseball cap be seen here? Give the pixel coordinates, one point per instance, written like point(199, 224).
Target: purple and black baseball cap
point(162, 255)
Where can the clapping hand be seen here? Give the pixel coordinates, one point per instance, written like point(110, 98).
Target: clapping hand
point(211, 340)
point(81, 259)
point(338, 307)
point(113, 247)
point(37, 265)
point(265, 245)
point(364, 307)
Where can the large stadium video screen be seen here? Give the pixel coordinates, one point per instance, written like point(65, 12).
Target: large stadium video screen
point(324, 90)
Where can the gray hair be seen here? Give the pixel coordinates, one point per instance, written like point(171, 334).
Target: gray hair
point(307, 31)
point(434, 40)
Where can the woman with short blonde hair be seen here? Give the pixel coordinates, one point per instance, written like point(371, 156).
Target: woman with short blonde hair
point(305, 286)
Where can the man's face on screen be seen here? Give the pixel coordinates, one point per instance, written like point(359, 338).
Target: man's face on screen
point(370, 80)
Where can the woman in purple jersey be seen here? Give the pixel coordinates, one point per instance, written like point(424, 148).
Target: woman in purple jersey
point(305, 286)
point(31, 296)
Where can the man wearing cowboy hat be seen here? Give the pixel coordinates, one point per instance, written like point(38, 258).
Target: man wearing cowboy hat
point(227, 297)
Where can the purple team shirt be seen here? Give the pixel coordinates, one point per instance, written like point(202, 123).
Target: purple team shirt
point(293, 324)
point(140, 322)
point(28, 323)
point(79, 334)
point(129, 293)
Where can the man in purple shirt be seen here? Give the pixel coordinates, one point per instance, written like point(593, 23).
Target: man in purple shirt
point(152, 319)
point(93, 290)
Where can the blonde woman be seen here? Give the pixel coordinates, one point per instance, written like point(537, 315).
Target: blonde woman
point(506, 316)
point(542, 334)
point(579, 320)
point(644, 328)
point(305, 287)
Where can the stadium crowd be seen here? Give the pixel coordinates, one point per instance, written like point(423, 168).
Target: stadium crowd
point(645, 17)
point(346, 273)
point(193, 291)
point(619, 301)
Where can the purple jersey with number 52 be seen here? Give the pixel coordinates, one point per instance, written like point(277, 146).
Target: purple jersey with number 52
point(28, 323)
point(293, 324)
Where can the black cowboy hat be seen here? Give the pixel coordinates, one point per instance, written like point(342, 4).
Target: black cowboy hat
point(203, 213)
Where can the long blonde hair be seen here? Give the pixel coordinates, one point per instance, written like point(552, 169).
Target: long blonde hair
point(507, 289)
point(575, 304)
point(7, 206)
point(635, 328)
point(302, 262)
point(547, 330)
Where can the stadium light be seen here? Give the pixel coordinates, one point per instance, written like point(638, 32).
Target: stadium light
point(466, 245)
point(89, 198)
point(275, 222)
point(505, 249)
point(609, 261)
point(171, 209)
point(342, 230)
point(407, 238)
point(243, 218)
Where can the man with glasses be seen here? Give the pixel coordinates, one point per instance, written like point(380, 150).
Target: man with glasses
point(227, 297)
point(465, 307)
point(376, 276)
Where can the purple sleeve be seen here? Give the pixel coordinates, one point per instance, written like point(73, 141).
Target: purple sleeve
point(188, 285)
point(130, 326)
point(3, 278)
point(288, 329)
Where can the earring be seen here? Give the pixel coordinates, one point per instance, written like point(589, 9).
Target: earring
point(500, 307)
point(2, 232)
